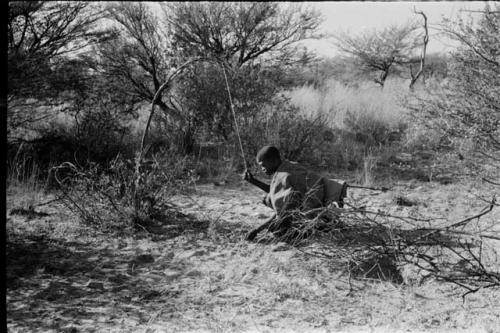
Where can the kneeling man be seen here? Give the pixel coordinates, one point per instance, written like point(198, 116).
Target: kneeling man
point(292, 188)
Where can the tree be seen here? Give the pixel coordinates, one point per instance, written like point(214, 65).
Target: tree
point(146, 47)
point(255, 42)
point(380, 50)
point(41, 38)
point(239, 32)
point(139, 57)
point(39, 34)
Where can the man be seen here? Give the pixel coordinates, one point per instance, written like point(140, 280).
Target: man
point(292, 187)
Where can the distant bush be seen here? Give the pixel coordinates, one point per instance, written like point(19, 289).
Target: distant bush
point(335, 99)
point(357, 120)
point(371, 131)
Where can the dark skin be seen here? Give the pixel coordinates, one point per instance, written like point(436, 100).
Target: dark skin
point(269, 166)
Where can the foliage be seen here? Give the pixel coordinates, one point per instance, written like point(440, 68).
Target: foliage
point(436, 66)
point(359, 120)
point(93, 127)
point(204, 95)
point(254, 43)
point(299, 137)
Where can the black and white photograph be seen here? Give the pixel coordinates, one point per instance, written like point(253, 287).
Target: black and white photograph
point(252, 167)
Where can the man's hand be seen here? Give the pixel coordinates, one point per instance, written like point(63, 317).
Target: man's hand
point(248, 176)
point(251, 235)
point(254, 181)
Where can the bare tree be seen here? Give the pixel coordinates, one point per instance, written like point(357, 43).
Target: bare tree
point(415, 77)
point(380, 50)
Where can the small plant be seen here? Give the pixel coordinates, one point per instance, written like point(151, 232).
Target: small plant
point(369, 164)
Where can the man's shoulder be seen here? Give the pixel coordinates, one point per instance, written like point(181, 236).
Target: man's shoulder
point(288, 172)
point(281, 176)
point(290, 167)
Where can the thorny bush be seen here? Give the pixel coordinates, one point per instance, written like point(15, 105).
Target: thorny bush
point(105, 196)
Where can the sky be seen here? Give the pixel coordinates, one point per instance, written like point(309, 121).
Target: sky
point(355, 16)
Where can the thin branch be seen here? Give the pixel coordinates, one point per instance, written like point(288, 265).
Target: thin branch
point(490, 181)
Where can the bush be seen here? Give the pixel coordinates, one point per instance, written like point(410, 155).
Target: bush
point(299, 137)
point(465, 109)
point(372, 131)
point(106, 197)
point(92, 128)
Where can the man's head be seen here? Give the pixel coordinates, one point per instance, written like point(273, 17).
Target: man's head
point(269, 159)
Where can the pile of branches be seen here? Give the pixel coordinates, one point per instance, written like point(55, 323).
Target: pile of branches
point(109, 197)
point(378, 245)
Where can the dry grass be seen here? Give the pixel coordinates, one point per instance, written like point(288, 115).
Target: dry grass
point(196, 274)
point(369, 124)
point(24, 182)
point(366, 99)
point(63, 276)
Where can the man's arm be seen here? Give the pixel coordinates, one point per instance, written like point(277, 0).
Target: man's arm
point(250, 178)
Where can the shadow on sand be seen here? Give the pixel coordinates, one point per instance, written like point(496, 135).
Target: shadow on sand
point(53, 283)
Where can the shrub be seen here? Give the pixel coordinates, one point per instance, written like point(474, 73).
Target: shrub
point(465, 108)
point(298, 136)
point(105, 196)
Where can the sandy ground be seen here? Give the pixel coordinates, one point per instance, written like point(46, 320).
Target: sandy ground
point(64, 277)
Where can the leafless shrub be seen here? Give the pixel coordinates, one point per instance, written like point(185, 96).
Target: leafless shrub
point(106, 197)
point(375, 244)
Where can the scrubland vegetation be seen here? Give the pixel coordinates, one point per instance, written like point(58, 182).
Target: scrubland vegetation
point(125, 205)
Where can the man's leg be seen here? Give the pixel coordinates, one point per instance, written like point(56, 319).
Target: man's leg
point(282, 227)
point(253, 233)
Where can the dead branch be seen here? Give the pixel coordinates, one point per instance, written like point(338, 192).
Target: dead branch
point(359, 235)
point(490, 181)
point(485, 211)
point(414, 77)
